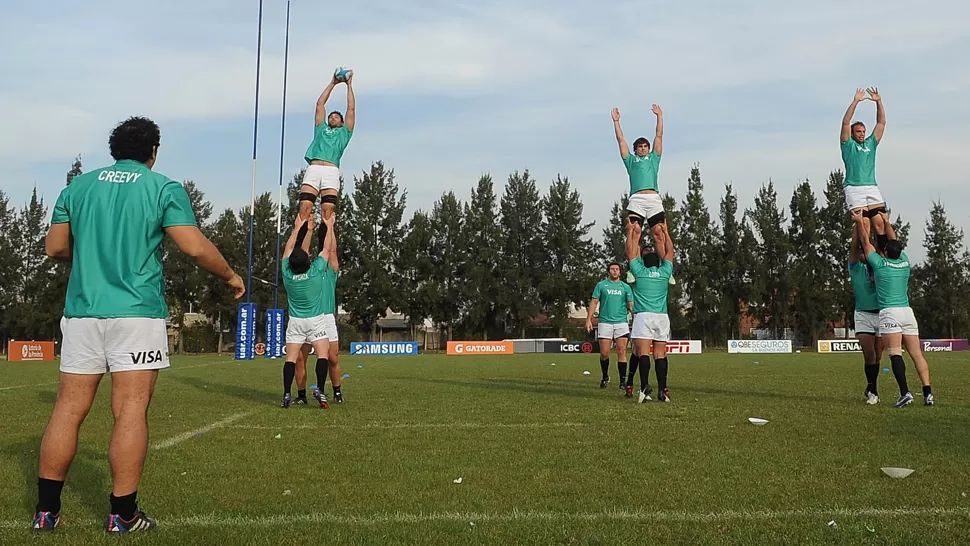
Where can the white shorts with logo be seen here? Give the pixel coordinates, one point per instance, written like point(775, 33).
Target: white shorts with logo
point(308, 330)
point(612, 331)
point(860, 197)
point(646, 205)
point(97, 346)
point(898, 320)
point(866, 323)
point(653, 326)
point(322, 177)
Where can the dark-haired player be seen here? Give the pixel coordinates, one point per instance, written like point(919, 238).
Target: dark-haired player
point(110, 224)
point(614, 298)
point(859, 156)
point(897, 324)
point(331, 134)
point(304, 279)
point(643, 168)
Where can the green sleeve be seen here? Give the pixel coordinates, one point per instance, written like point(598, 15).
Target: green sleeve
point(61, 215)
point(637, 267)
point(628, 161)
point(286, 267)
point(629, 292)
point(667, 269)
point(176, 207)
point(871, 141)
point(597, 292)
point(875, 260)
point(656, 157)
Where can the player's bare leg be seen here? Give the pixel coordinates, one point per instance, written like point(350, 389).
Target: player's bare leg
point(915, 350)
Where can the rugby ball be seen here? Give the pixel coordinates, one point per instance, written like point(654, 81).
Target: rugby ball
point(341, 74)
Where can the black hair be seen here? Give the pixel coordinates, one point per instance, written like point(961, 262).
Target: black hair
point(857, 123)
point(338, 113)
point(651, 260)
point(299, 259)
point(893, 249)
point(617, 264)
point(640, 141)
point(134, 139)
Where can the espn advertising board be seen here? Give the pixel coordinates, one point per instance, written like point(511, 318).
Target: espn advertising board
point(760, 346)
point(384, 348)
point(480, 348)
point(685, 347)
point(839, 346)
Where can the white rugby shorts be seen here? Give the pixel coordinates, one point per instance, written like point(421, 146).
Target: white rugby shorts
point(96, 346)
point(322, 177)
point(646, 205)
point(612, 331)
point(898, 320)
point(862, 197)
point(308, 330)
point(866, 323)
point(652, 326)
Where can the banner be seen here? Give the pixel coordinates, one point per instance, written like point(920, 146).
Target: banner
point(246, 332)
point(691, 347)
point(945, 345)
point(30, 351)
point(567, 347)
point(274, 333)
point(760, 346)
point(390, 348)
point(480, 348)
point(839, 346)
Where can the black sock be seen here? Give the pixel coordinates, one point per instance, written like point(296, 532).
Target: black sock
point(644, 373)
point(49, 495)
point(605, 366)
point(927, 390)
point(301, 393)
point(872, 376)
point(899, 370)
point(289, 372)
point(322, 366)
point(336, 390)
point(634, 364)
point(661, 374)
point(621, 367)
point(124, 507)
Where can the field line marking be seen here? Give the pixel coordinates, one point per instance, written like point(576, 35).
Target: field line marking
point(26, 386)
point(214, 520)
point(169, 370)
point(385, 426)
point(175, 440)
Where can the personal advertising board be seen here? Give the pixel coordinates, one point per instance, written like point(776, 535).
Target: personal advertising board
point(945, 345)
point(839, 346)
point(480, 348)
point(384, 348)
point(760, 346)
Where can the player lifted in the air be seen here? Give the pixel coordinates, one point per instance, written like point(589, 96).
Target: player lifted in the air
point(331, 134)
point(643, 166)
point(615, 300)
point(859, 156)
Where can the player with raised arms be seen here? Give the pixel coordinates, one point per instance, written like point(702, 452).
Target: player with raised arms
point(331, 134)
point(651, 324)
point(614, 298)
point(859, 157)
point(304, 279)
point(866, 314)
point(643, 168)
point(897, 324)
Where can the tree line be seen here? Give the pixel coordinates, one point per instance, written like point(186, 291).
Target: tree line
point(492, 266)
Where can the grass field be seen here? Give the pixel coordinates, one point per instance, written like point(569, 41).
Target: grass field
point(546, 456)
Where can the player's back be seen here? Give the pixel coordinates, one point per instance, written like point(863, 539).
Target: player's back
point(117, 216)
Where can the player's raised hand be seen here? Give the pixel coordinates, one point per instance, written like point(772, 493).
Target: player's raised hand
point(874, 94)
point(857, 216)
point(656, 110)
point(329, 220)
point(615, 114)
point(860, 94)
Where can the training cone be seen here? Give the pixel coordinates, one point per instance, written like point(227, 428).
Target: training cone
point(757, 422)
point(893, 472)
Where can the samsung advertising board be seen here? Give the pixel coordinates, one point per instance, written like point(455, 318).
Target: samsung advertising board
point(384, 348)
point(760, 346)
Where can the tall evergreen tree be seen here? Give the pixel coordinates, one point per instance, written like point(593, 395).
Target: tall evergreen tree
point(614, 234)
point(570, 256)
point(28, 319)
point(482, 289)
point(942, 282)
point(676, 299)
point(771, 281)
point(447, 261)
point(521, 260)
point(8, 266)
point(835, 228)
point(698, 263)
point(414, 267)
point(185, 283)
point(735, 258)
point(369, 231)
point(217, 302)
point(813, 300)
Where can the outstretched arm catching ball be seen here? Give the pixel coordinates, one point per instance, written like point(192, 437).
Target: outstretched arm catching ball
point(658, 142)
point(321, 112)
point(860, 95)
point(624, 149)
point(351, 103)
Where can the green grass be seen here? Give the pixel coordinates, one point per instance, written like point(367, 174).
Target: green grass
point(546, 456)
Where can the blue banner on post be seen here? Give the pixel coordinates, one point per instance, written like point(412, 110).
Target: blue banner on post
point(246, 331)
point(274, 333)
point(389, 348)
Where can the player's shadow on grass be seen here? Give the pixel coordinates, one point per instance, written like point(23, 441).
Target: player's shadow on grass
point(548, 387)
point(235, 391)
point(87, 479)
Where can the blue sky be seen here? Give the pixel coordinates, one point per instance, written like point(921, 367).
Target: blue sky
point(752, 90)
